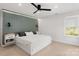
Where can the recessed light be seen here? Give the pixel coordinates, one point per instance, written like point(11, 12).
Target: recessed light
point(56, 6)
point(20, 4)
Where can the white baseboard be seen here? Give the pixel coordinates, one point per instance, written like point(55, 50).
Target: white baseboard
point(65, 42)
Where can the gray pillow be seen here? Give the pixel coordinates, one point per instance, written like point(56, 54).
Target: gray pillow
point(21, 34)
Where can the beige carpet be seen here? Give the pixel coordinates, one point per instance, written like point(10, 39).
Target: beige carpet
point(54, 49)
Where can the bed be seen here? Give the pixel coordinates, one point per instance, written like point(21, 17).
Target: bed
point(33, 43)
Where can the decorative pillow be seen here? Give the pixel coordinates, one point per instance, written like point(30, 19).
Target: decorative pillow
point(35, 32)
point(29, 33)
point(21, 34)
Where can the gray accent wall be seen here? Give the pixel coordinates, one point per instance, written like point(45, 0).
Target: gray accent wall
point(1, 30)
point(18, 23)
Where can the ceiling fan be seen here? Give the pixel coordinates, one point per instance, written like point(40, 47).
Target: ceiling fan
point(38, 7)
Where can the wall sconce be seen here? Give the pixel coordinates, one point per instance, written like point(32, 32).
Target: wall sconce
point(9, 24)
point(37, 25)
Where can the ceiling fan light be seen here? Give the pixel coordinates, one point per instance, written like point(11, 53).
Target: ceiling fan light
point(20, 4)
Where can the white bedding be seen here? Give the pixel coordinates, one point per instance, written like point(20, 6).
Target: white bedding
point(36, 42)
point(34, 38)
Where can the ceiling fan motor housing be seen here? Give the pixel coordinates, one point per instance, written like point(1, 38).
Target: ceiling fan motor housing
point(39, 7)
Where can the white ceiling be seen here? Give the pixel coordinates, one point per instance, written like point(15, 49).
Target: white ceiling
point(27, 8)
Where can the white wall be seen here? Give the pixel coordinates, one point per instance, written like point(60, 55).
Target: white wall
point(54, 26)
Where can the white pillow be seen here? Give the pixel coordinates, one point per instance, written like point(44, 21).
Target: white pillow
point(28, 33)
point(37, 32)
point(17, 35)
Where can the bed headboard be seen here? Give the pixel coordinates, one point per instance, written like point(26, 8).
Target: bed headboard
point(17, 23)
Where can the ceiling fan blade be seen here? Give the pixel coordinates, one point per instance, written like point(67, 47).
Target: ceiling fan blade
point(34, 5)
point(35, 11)
point(46, 9)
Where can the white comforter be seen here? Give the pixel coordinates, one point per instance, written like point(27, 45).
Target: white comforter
point(36, 42)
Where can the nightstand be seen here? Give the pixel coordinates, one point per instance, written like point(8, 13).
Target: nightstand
point(9, 39)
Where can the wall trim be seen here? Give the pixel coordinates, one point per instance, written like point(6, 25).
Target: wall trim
point(64, 42)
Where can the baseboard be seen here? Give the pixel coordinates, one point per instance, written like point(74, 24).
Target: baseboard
point(66, 42)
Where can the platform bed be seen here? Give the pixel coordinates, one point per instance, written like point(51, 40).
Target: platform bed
point(33, 43)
